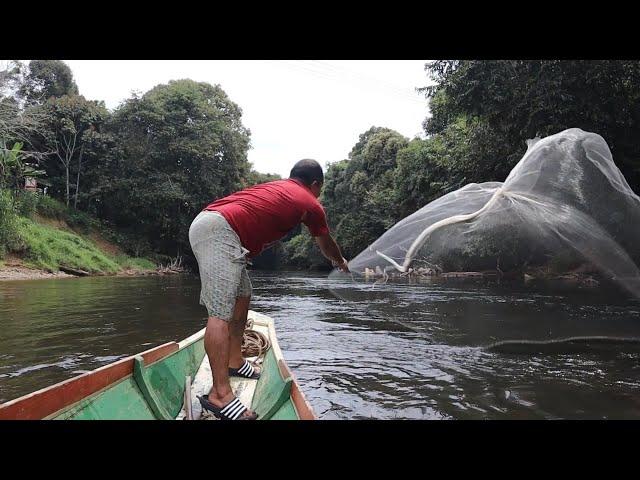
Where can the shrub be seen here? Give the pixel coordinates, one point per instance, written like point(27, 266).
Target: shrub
point(51, 208)
point(134, 263)
point(80, 220)
point(9, 237)
point(26, 203)
point(48, 248)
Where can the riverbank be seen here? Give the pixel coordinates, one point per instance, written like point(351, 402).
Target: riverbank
point(16, 272)
point(13, 268)
point(50, 240)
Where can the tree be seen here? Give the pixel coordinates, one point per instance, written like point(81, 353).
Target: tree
point(46, 79)
point(181, 145)
point(359, 201)
point(16, 123)
point(69, 125)
point(10, 77)
point(357, 196)
point(13, 168)
point(510, 101)
point(255, 178)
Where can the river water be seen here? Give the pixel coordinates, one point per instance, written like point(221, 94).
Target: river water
point(391, 351)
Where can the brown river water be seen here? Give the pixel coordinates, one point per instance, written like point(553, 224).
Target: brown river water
point(392, 351)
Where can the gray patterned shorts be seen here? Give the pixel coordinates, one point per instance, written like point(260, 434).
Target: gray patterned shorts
point(222, 263)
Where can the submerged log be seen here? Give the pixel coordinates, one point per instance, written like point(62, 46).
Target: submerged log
point(74, 271)
point(469, 274)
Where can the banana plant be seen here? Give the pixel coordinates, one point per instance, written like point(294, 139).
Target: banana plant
point(13, 169)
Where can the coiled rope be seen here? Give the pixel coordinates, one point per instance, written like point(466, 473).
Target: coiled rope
point(254, 343)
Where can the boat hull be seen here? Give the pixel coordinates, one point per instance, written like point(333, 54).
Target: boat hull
point(151, 386)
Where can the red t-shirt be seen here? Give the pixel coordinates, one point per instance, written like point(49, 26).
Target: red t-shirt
point(267, 212)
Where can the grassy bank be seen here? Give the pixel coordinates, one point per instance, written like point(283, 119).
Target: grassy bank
point(44, 234)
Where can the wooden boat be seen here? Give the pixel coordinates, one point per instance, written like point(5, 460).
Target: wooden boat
point(156, 384)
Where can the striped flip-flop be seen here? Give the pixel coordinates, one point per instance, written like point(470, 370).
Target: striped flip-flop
point(231, 411)
point(245, 371)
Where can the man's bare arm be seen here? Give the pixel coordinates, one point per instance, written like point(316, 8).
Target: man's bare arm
point(330, 250)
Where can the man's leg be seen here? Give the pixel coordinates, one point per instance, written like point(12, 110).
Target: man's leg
point(217, 250)
point(236, 331)
point(216, 344)
point(239, 321)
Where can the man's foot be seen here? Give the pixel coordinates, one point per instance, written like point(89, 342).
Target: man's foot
point(226, 408)
point(246, 370)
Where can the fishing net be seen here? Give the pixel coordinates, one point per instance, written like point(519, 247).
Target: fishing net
point(565, 207)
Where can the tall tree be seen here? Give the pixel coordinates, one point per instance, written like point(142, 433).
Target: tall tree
point(70, 124)
point(358, 194)
point(255, 178)
point(181, 146)
point(510, 101)
point(46, 79)
point(16, 124)
point(358, 197)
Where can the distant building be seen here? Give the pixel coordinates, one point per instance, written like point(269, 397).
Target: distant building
point(30, 184)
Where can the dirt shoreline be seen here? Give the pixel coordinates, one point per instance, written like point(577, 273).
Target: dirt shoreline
point(18, 272)
point(8, 273)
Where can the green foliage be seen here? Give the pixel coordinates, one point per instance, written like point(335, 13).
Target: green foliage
point(358, 197)
point(8, 222)
point(132, 243)
point(26, 203)
point(71, 129)
point(46, 79)
point(428, 169)
point(14, 170)
point(181, 145)
point(134, 263)
point(51, 208)
point(302, 252)
point(359, 193)
point(256, 178)
point(514, 100)
point(17, 125)
point(79, 220)
point(147, 169)
point(9, 163)
point(48, 248)
point(10, 120)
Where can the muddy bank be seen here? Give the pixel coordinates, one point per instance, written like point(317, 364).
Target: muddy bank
point(17, 271)
point(23, 273)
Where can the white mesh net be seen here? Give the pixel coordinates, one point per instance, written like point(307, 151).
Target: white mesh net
point(564, 206)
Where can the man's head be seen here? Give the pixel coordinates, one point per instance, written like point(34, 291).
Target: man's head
point(310, 173)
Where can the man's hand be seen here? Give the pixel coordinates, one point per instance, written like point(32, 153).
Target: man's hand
point(331, 251)
point(343, 265)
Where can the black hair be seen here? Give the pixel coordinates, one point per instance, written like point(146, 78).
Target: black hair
point(307, 171)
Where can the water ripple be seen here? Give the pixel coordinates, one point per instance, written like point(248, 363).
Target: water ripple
point(397, 351)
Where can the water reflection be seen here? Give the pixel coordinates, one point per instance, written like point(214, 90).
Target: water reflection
point(53, 329)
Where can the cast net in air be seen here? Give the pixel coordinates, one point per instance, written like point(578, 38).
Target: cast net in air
point(564, 206)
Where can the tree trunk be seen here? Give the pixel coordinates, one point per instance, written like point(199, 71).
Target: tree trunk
point(75, 203)
point(67, 172)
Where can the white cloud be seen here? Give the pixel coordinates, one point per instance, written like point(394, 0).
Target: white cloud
point(294, 109)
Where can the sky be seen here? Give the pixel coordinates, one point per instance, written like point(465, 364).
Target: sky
point(294, 108)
